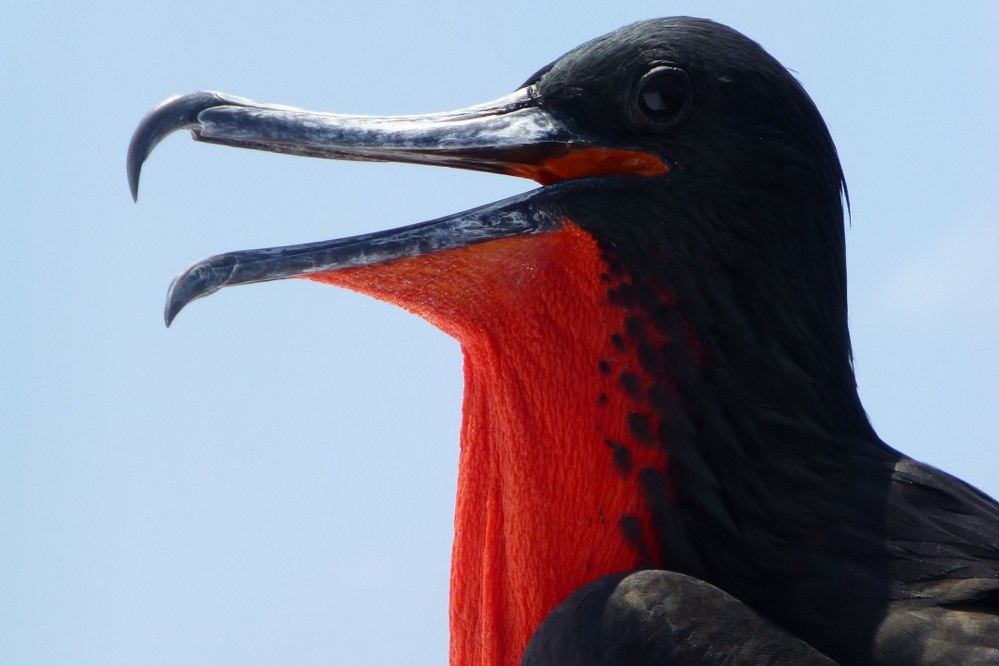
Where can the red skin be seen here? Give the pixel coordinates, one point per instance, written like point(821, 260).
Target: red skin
point(533, 522)
point(540, 491)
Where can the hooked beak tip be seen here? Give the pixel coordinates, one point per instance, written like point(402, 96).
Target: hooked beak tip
point(174, 113)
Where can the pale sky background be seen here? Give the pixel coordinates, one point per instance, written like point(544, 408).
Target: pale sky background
point(272, 480)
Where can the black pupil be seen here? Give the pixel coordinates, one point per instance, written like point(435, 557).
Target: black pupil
point(664, 92)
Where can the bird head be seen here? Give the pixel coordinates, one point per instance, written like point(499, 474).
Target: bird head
point(670, 111)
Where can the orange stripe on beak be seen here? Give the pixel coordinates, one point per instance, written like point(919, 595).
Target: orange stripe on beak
point(587, 161)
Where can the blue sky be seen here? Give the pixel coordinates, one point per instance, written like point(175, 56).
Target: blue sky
point(272, 479)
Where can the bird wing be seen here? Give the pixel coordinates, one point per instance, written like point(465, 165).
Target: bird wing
point(663, 618)
point(944, 550)
point(944, 536)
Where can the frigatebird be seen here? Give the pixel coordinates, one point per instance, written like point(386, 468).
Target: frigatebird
point(664, 459)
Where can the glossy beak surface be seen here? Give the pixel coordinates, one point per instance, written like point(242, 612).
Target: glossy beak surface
point(514, 135)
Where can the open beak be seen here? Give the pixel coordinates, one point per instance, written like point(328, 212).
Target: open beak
point(514, 135)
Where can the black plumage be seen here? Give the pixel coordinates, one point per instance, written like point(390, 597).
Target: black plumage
point(781, 493)
point(791, 532)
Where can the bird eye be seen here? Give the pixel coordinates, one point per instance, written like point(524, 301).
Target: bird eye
point(664, 92)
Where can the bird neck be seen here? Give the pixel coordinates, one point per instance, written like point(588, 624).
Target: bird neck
point(555, 434)
point(775, 475)
point(613, 421)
